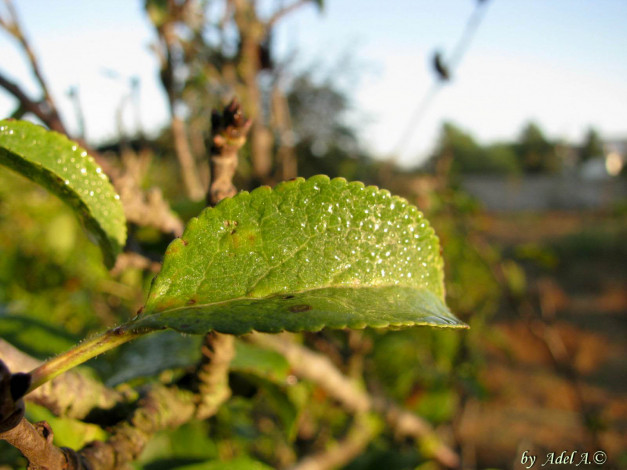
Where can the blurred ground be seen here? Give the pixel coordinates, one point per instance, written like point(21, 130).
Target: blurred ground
point(556, 359)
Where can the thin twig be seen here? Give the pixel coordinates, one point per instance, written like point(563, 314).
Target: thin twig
point(276, 16)
point(229, 131)
point(53, 120)
point(169, 43)
point(28, 104)
point(320, 370)
point(217, 352)
point(161, 408)
point(343, 452)
point(35, 443)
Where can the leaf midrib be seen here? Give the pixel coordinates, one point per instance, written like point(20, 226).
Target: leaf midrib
point(278, 294)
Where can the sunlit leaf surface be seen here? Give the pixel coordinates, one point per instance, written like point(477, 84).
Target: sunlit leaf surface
point(307, 255)
point(60, 165)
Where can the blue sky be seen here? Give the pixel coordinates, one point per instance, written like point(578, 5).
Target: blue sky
point(561, 63)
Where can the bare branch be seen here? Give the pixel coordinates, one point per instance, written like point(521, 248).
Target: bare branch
point(52, 118)
point(218, 351)
point(319, 369)
point(29, 105)
point(229, 131)
point(35, 442)
point(340, 454)
point(169, 42)
point(283, 12)
point(161, 408)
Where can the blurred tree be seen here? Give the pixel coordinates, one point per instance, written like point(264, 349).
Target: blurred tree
point(535, 153)
point(592, 146)
point(467, 156)
point(211, 51)
point(324, 142)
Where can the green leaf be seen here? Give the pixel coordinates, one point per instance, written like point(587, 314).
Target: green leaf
point(68, 432)
point(259, 361)
point(61, 166)
point(240, 463)
point(307, 255)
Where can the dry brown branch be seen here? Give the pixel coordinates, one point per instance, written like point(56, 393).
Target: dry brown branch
point(146, 209)
point(47, 111)
point(344, 451)
point(283, 124)
point(35, 443)
point(217, 351)
point(30, 106)
point(229, 131)
point(276, 16)
point(320, 370)
point(160, 408)
point(134, 260)
point(168, 44)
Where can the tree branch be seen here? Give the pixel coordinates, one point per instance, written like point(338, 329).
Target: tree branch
point(320, 370)
point(50, 114)
point(283, 12)
point(343, 452)
point(28, 104)
point(160, 408)
point(229, 131)
point(35, 443)
point(168, 41)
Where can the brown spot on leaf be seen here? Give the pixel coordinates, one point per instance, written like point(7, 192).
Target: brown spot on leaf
point(300, 308)
point(185, 242)
point(191, 301)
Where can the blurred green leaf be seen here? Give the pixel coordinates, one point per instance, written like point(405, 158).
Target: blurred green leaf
point(242, 463)
point(62, 167)
point(178, 448)
point(68, 432)
point(259, 361)
point(150, 355)
point(307, 255)
point(35, 337)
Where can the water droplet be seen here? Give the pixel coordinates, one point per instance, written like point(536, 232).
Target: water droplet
point(116, 197)
point(74, 148)
point(91, 193)
point(67, 181)
point(83, 171)
point(98, 170)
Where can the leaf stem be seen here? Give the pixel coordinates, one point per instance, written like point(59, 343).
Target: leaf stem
point(81, 353)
